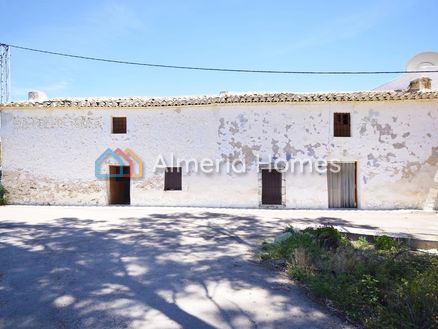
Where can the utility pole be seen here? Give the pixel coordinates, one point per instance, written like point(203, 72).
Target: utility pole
point(5, 77)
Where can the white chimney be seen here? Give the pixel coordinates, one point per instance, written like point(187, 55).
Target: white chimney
point(420, 84)
point(37, 96)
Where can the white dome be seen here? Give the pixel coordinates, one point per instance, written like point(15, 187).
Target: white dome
point(426, 60)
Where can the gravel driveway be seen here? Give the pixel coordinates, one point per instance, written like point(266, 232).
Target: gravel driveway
point(120, 267)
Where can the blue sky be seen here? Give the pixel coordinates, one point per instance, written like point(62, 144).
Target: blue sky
point(283, 35)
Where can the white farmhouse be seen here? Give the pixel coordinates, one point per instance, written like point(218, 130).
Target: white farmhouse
point(114, 151)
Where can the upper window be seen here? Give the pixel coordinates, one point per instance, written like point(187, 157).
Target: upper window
point(119, 125)
point(172, 179)
point(342, 125)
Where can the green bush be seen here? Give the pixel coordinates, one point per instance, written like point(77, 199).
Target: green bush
point(362, 243)
point(384, 242)
point(327, 236)
point(2, 195)
point(290, 229)
point(297, 273)
point(284, 248)
point(379, 285)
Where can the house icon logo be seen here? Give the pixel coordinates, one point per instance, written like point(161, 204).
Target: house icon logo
point(120, 158)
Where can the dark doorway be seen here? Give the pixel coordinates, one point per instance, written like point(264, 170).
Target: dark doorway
point(172, 179)
point(120, 187)
point(342, 189)
point(271, 187)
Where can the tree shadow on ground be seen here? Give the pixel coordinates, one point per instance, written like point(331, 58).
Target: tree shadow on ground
point(157, 271)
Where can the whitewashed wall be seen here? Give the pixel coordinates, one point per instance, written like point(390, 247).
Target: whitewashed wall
point(49, 154)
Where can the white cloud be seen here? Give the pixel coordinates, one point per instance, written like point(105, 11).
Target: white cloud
point(112, 20)
point(351, 25)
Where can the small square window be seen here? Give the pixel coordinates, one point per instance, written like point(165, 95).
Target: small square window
point(342, 125)
point(172, 179)
point(119, 125)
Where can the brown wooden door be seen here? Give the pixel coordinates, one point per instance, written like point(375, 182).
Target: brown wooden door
point(342, 190)
point(120, 187)
point(271, 187)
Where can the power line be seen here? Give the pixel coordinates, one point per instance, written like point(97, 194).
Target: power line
point(217, 69)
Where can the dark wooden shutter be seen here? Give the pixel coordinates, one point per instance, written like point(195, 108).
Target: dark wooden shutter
point(172, 179)
point(342, 124)
point(119, 125)
point(271, 187)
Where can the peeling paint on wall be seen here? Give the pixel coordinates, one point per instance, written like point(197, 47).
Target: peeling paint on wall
point(399, 145)
point(48, 155)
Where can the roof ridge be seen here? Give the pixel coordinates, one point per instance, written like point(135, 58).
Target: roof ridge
point(225, 98)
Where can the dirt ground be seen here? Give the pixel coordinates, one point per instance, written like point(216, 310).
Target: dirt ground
point(129, 267)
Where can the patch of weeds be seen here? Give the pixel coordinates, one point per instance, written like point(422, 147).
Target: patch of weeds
point(320, 288)
point(379, 284)
point(297, 273)
point(291, 229)
point(362, 243)
point(327, 236)
point(384, 242)
point(2, 196)
point(284, 248)
point(369, 289)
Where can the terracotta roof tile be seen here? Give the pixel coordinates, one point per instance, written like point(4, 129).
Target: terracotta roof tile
point(224, 98)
